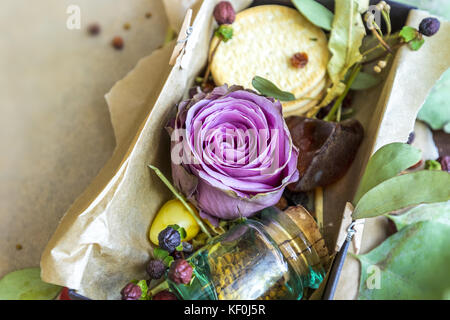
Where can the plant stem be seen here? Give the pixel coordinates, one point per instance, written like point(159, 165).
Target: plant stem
point(339, 100)
point(160, 287)
point(208, 68)
point(181, 198)
point(385, 45)
point(388, 22)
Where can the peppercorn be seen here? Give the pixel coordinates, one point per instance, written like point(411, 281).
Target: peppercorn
point(299, 60)
point(224, 13)
point(169, 239)
point(429, 26)
point(164, 295)
point(117, 43)
point(93, 29)
point(131, 292)
point(180, 271)
point(156, 269)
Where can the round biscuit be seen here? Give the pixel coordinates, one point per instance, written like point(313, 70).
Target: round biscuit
point(264, 40)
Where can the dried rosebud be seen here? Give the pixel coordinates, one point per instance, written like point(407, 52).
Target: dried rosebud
point(131, 292)
point(164, 295)
point(156, 269)
point(224, 13)
point(429, 26)
point(169, 239)
point(299, 60)
point(117, 43)
point(180, 271)
point(445, 163)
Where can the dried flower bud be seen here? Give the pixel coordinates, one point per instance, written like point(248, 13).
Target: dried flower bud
point(429, 26)
point(382, 64)
point(377, 69)
point(187, 247)
point(445, 163)
point(131, 292)
point(299, 60)
point(180, 271)
point(164, 295)
point(224, 13)
point(169, 239)
point(156, 269)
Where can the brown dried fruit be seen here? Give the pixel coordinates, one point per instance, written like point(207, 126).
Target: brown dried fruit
point(131, 292)
point(164, 295)
point(180, 271)
point(224, 13)
point(299, 60)
point(326, 150)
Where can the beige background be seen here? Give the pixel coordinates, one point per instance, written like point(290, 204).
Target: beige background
point(55, 129)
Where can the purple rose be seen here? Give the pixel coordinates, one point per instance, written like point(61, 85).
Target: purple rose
point(232, 153)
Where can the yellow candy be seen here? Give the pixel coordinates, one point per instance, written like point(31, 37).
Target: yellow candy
point(174, 212)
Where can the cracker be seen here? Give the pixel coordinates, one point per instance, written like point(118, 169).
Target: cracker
point(265, 38)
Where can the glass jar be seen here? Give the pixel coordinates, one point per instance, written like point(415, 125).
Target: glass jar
point(267, 258)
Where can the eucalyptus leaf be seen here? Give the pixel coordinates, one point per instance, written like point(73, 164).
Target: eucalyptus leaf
point(408, 33)
point(436, 109)
point(437, 212)
point(416, 44)
point(411, 264)
point(365, 81)
point(386, 163)
point(347, 34)
point(404, 191)
point(316, 13)
point(26, 284)
point(269, 89)
point(160, 254)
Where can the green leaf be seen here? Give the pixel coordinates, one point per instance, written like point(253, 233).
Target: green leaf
point(432, 165)
point(160, 254)
point(346, 38)
point(437, 212)
point(386, 163)
point(408, 33)
point(174, 226)
point(168, 260)
point(225, 32)
point(316, 13)
point(26, 284)
point(364, 81)
point(144, 288)
point(436, 109)
point(182, 232)
point(416, 44)
point(269, 89)
point(180, 247)
point(404, 191)
point(413, 264)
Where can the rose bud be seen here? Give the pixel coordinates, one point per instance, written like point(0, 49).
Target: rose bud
point(180, 271)
point(224, 13)
point(156, 269)
point(164, 295)
point(429, 26)
point(131, 292)
point(169, 239)
point(232, 153)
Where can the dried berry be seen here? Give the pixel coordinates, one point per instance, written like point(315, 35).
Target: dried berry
point(429, 26)
point(187, 247)
point(164, 295)
point(180, 271)
point(156, 269)
point(169, 239)
point(117, 43)
point(299, 60)
point(131, 292)
point(178, 255)
point(224, 13)
point(93, 29)
point(445, 163)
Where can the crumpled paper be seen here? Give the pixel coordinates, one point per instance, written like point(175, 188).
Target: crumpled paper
point(101, 243)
